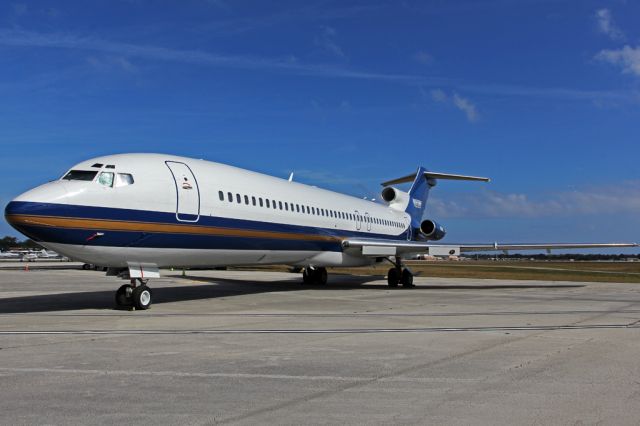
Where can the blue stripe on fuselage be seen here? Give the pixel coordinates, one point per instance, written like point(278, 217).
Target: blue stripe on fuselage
point(175, 240)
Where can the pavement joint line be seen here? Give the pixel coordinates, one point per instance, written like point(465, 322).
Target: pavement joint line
point(228, 375)
point(325, 315)
point(633, 325)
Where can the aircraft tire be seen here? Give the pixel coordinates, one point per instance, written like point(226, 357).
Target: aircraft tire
point(141, 297)
point(393, 277)
point(321, 276)
point(307, 276)
point(407, 278)
point(121, 296)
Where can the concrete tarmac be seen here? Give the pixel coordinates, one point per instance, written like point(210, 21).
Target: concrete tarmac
point(235, 347)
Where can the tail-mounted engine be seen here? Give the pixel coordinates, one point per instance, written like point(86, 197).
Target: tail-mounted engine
point(396, 199)
point(431, 230)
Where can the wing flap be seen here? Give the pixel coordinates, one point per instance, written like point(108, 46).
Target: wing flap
point(377, 246)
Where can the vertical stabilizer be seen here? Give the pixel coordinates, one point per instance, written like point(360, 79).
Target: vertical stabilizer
point(418, 196)
point(423, 180)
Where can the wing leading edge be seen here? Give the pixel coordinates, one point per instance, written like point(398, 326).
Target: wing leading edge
point(378, 247)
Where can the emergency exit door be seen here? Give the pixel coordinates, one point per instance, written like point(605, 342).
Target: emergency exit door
point(187, 192)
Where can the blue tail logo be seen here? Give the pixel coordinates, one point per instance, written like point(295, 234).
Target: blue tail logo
point(419, 194)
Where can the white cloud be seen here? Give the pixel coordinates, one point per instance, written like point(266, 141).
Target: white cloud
point(108, 63)
point(606, 25)
point(463, 104)
point(466, 106)
point(607, 199)
point(628, 58)
point(438, 95)
point(423, 57)
point(326, 40)
point(27, 39)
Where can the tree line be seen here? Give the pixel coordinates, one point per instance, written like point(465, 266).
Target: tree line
point(8, 242)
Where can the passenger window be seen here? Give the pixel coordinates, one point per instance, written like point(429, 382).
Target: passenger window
point(267, 201)
point(273, 202)
point(106, 179)
point(260, 200)
point(123, 179)
point(253, 200)
point(246, 200)
point(230, 197)
point(221, 195)
point(238, 199)
point(298, 208)
point(280, 204)
point(286, 206)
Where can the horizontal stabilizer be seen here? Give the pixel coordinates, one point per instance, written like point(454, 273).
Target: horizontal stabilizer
point(435, 175)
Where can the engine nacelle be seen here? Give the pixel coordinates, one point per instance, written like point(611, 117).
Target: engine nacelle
point(397, 200)
point(432, 230)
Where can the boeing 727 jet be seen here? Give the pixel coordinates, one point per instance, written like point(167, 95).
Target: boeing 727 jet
point(137, 213)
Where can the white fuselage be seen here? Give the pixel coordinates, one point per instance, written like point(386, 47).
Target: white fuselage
point(175, 211)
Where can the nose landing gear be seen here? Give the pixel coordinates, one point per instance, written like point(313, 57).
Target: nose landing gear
point(136, 294)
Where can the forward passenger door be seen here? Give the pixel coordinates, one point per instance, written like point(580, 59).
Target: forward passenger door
point(187, 192)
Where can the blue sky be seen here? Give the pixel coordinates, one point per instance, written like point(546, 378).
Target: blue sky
point(543, 96)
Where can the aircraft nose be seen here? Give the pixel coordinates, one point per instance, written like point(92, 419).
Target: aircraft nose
point(36, 202)
point(14, 211)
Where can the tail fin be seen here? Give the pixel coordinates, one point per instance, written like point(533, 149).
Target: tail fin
point(423, 181)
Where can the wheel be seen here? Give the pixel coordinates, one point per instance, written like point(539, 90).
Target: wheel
point(86, 266)
point(407, 278)
point(317, 276)
point(307, 276)
point(321, 276)
point(123, 295)
point(393, 277)
point(141, 297)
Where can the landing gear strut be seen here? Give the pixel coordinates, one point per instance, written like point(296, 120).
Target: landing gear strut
point(136, 294)
point(314, 276)
point(399, 274)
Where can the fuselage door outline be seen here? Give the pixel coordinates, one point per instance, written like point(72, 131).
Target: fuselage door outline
point(187, 192)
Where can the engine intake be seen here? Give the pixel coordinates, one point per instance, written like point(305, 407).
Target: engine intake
point(397, 200)
point(432, 230)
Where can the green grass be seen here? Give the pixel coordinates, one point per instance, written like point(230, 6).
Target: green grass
point(621, 272)
point(626, 272)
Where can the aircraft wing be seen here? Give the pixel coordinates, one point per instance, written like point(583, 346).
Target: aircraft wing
point(381, 247)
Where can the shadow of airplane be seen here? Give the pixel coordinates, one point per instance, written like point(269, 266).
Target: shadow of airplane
point(219, 287)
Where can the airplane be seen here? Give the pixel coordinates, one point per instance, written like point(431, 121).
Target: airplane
point(136, 213)
point(9, 255)
point(46, 254)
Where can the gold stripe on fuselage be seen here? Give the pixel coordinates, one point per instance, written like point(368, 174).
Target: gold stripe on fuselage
point(153, 227)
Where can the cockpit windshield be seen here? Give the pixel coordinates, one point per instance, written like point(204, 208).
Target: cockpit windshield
point(106, 179)
point(86, 175)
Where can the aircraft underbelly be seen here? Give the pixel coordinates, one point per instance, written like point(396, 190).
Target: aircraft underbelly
point(163, 257)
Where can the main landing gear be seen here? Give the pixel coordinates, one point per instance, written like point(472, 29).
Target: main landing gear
point(399, 275)
point(136, 294)
point(314, 276)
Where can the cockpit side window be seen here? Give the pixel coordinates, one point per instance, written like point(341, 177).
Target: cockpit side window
point(106, 179)
point(86, 175)
point(124, 179)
